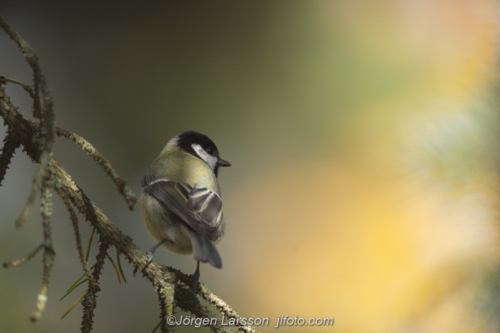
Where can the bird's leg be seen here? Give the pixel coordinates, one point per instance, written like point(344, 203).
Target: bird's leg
point(196, 277)
point(150, 254)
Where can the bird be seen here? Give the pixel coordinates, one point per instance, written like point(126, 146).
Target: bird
point(181, 200)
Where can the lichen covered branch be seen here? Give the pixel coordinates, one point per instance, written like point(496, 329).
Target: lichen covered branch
point(86, 146)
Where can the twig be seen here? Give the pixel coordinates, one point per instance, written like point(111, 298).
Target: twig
point(89, 301)
point(185, 299)
point(31, 255)
point(23, 217)
point(43, 105)
point(86, 146)
point(89, 245)
point(48, 253)
point(43, 109)
point(8, 150)
point(166, 298)
point(79, 246)
point(26, 87)
point(224, 308)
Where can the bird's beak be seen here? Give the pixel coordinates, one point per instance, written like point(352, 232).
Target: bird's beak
point(223, 163)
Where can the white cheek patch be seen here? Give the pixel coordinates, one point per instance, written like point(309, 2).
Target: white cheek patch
point(211, 160)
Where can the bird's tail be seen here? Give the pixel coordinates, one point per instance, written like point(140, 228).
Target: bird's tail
point(204, 250)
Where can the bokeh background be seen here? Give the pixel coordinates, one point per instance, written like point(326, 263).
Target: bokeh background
point(363, 137)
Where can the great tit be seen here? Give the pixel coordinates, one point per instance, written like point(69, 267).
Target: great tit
point(181, 202)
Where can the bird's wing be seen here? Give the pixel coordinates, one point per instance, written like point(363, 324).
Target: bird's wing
point(206, 205)
point(199, 208)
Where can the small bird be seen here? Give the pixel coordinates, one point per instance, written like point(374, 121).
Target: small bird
point(181, 202)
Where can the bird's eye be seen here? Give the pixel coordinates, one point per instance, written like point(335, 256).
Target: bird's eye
point(210, 151)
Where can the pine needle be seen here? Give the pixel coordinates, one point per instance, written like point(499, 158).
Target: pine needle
point(74, 304)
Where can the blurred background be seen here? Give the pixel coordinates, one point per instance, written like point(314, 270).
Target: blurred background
point(363, 137)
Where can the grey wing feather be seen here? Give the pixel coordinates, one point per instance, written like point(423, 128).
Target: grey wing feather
point(206, 204)
point(200, 208)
